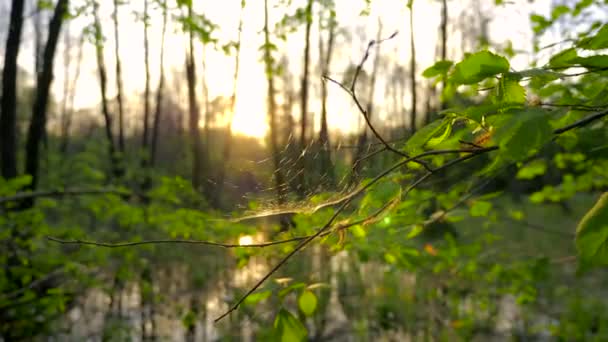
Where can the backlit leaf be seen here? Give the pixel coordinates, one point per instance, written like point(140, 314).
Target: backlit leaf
point(307, 302)
point(479, 66)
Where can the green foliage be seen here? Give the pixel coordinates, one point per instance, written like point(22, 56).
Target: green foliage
point(288, 328)
point(592, 234)
point(477, 67)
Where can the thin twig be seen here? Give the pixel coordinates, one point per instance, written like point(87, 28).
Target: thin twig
point(582, 122)
point(327, 225)
point(276, 212)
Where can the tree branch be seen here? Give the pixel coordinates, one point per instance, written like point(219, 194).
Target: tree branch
point(327, 225)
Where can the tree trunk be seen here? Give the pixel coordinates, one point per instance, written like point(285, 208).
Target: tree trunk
point(144, 143)
point(444, 43)
point(159, 91)
point(304, 104)
point(195, 135)
point(121, 133)
point(66, 120)
point(228, 144)
point(8, 106)
point(45, 78)
point(103, 80)
point(326, 54)
point(412, 68)
point(272, 115)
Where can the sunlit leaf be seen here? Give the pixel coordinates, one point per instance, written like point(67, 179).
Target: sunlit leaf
point(257, 297)
point(563, 58)
point(480, 208)
point(307, 303)
point(597, 42)
point(288, 328)
point(479, 66)
point(439, 68)
point(531, 170)
point(523, 133)
point(446, 133)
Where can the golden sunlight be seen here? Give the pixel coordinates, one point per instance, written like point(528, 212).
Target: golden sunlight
point(248, 119)
point(245, 240)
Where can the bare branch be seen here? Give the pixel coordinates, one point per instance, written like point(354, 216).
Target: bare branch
point(582, 122)
point(325, 228)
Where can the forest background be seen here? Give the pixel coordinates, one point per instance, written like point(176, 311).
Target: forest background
point(292, 170)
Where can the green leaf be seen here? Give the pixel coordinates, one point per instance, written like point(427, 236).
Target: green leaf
point(284, 292)
point(536, 168)
point(591, 62)
point(592, 234)
point(563, 58)
point(558, 11)
point(480, 208)
point(446, 133)
point(479, 66)
point(510, 91)
point(439, 68)
point(307, 302)
point(288, 328)
point(426, 133)
point(257, 297)
point(523, 133)
point(539, 23)
point(415, 231)
point(597, 42)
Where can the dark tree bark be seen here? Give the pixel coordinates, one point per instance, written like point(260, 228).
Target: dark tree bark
point(37, 38)
point(145, 133)
point(272, 112)
point(228, 145)
point(326, 51)
point(8, 106)
point(103, 80)
point(195, 135)
point(412, 68)
point(121, 132)
point(39, 115)
point(160, 89)
point(304, 104)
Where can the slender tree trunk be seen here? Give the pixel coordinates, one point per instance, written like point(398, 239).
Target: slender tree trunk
point(326, 54)
point(39, 115)
point(145, 133)
point(412, 68)
point(37, 39)
point(103, 80)
point(121, 132)
point(207, 106)
point(444, 42)
point(272, 113)
point(66, 121)
point(67, 40)
point(362, 140)
point(304, 104)
point(8, 106)
point(195, 135)
point(228, 145)
point(159, 91)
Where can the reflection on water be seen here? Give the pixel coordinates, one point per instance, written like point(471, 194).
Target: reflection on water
point(363, 301)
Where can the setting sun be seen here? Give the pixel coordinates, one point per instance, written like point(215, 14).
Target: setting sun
point(249, 117)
